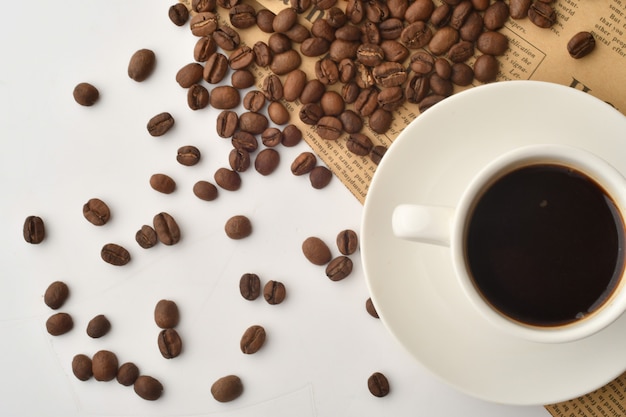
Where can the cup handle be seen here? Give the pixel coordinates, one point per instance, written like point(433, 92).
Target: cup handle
point(426, 224)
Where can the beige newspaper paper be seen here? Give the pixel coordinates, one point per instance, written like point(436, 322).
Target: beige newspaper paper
point(534, 54)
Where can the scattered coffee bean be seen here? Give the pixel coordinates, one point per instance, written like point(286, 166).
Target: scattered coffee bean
point(205, 190)
point(224, 97)
point(239, 159)
point(486, 68)
point(98, 326)
point(252, 339)
point(178, 14)
point(581, 44)
point(170, 343)
point(253, 123)
point(104, 365)
point(227, 179)
point(278, 113)
point(542, 14)
point(518, 9)
point(197, 97)
point(347, 242)
point(127, 374)
point(166, 228)
point(188, 155)
point(492, 43)
point(254, 101)
point(82, 367)
point(96, 212)
point(141, 65)
point(304, 163)
point(86, 94)
point(380, 121)
point(204, 48)
point(320, 177)
point(59, 323)
point(227, 388)
point(203, 24)
point(162, 183)
point(329, 128)
point(359, 144)
point(271, 137)
point(274, 292)
point(148, 388)
point(242, 79)
point(265, 20)
point(316, 251)
point(250, 286)
point(160, 124)
point(378, 384)
point(56, 294)
point(339, 268)
point(146, 237)
point(166, 314)
point(115, 254)
point(377, 153)
point(267, 161)
point(215, 68)
point(34, 230)
point(227, 123)
point(292, 136)
point(371, 310)
point(238, 227)
point(189, 74)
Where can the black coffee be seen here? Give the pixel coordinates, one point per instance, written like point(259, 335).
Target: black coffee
point(545, 245)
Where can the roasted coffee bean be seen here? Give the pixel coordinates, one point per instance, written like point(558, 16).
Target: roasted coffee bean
point(378, 384)
point(278, 113)
point(359, 144)
point(178, 14)
point(390, 98)
point(239, 159)
point(370, 54)
point(486, 68)
point(355, 11)
point(225, 97)
point(265, 20)
point(363, 77)
point(262, 54)
point(242, 16)
point(350, 92)
point(238, 227)
point(329, 128)
point(339, 268)
point(462, 74)
point(419, 10)
point(189, 75)
point(274, 292)
point(350, 121)
point(148, 388)
point(254, 101)
point(169, 343)
point(227, 179)
point(312, 92)
point(581, 44)
point(81, 365)
point(104, 365)
point(272, 136)
point(341, 49)
point(98, 326)
point(314, 46)
point(463, 50)
point(460, 14)
point(242, 79)
point(316, 251)
point(279, 43)
point(241, 58)
point(336, 17)
point(397, 8)
point(492, 43)
point(416, 35)
point(367, 102)
point(127, 374)
point(346, 71)
point(389, 74)
point(204, 48)
point(227, 4)
point(245, 140)
point(34, 230)
point(473, 27)
point(86, 94)
point(480, 4)
point(285, 62)
point(203, 24)
point(380, 120)
point(166, 314)
point(442, 40)
point(417, 89)
point(146, 237)
point(227, 123)
point(311, 113)
point(115, 254)
point(226, 38)
point(332, 103)
point(266, 161)
point(441, 15)
point(376, 11)
point(59, 323)
point(56, 294)
point(422, 63)
point(443, 68)
point(440, 86)
point(227, 388)
point(188, 155)
point(162, 183)
point(347, 242)
point(253, 123)
point(96, 212)
point(292, 135)
point(141, 65)
point(371, 310)
point(294, 84)
point(496, 15)
point(370, 33)
point(324, 4)
point(303, 163)
point(215, 68)
point(518, 9)
point(349, 33)
point(272, 88)
point(390, 29)
point(166, 228)
point(205, 190)
point(284, 20)
point(394, 51)
point(300, 6)
point(252, 339)
point(200, 6)
point(377, 152)
point(327, 72)
point(298, 33)
point(160, 124)
point(426, 103)
point(197, 97)
point(322, 29)
point(250, 286)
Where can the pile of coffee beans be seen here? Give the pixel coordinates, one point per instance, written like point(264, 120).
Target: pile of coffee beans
point(166, 317)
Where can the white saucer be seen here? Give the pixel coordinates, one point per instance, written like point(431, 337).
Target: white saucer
point(413, 285)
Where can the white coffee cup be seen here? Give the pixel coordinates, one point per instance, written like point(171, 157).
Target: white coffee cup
point(447, 226)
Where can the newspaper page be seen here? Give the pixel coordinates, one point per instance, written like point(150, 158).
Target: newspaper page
point(534, 53)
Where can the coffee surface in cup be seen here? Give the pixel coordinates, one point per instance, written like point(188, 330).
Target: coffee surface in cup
point(544, 245)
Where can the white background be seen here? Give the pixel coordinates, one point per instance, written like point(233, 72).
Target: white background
point(321, 346)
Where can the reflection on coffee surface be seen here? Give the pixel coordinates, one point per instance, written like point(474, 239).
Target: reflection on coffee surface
point(545, 245)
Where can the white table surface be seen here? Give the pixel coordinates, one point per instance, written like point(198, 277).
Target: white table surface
point(321, 345)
